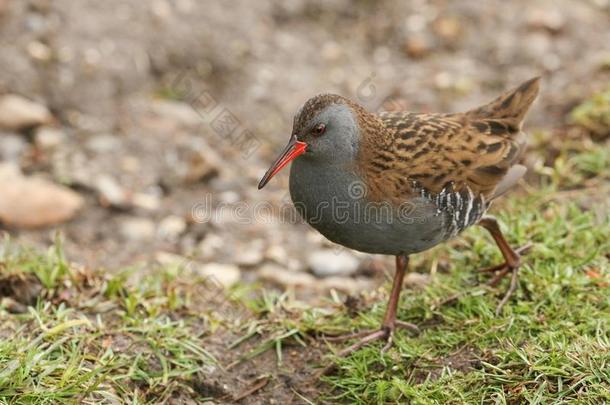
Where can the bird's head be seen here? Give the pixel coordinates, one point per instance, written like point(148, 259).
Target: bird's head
point(324, 129)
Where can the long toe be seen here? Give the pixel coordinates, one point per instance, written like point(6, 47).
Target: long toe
point(349, 336)
point(523, 250)
point(382, 333)
point(520, 251)
point(511, 290)
point(501, 271)
point(407, 325)
point(364, 338)
point(389, 342)
point(492, 269)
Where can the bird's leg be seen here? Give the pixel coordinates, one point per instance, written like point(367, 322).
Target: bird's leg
point(512, 259)
point(390, 323)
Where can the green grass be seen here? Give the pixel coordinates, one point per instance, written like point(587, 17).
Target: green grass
point(594, 114)
point(91, 339)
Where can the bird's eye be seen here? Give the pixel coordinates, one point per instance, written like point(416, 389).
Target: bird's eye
point(319, 129)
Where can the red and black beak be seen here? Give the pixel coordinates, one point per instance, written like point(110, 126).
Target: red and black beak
point(291, 151)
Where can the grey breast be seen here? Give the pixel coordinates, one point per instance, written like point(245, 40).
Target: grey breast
point(333, 200)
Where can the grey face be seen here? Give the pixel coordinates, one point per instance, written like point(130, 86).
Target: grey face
point(338, 142)
point(325, 133)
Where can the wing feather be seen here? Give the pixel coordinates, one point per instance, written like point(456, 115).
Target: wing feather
point(472, 151)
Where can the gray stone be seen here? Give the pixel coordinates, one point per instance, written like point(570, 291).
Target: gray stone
point(176, 111)
point(223, 274)
point(185, 267)
point(146, 201)
point(12, 146)
point(49, 138)
point(345, 284)
point(277, 253)
point(280, 275)
point(30, 202)
point(110, 192)
point(17, 112)
point(137, 229)
point(250, 254)
point(210, 246)
point(416, 280)
point(171, 227)
point(327, 262)
point(104, 143)
point(39, 51)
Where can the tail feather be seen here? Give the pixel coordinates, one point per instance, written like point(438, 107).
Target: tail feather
point(511, 177)
point(511, 107)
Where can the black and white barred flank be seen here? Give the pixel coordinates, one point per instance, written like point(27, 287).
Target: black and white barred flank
point(461, 208)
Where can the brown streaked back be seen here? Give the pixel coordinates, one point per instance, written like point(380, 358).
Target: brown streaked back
point(473, 150)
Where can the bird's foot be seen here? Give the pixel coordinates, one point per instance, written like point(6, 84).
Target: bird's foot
point(502, 267)
point(501, 270)
point(364, 338)
point(386, 333)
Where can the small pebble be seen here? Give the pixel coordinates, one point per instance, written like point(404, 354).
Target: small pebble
point(250, 254)
point(327, 262)
point(17, 113)
point(49, 138)
point(223, 274)
point(138, 229)
point(171, 227)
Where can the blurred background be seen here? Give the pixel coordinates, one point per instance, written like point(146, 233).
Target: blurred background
point(139, 129)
